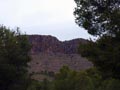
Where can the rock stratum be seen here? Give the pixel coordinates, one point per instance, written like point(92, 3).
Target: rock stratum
point(50, 54)
point(50, 44)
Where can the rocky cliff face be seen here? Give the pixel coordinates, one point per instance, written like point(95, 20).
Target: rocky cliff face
point(51, 44)
point(49, 54)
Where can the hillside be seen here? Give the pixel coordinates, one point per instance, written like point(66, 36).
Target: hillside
point(49, 54)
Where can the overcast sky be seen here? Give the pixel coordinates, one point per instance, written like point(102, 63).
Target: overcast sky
point(44, 17)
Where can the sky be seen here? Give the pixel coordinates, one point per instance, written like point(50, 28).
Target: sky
point(42, 17)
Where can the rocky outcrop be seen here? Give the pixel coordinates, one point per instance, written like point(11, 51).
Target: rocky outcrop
point(50, 54)
point(50, 44)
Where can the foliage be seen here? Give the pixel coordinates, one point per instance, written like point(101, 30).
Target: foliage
point(14, 57)
point(110, 84)
point(34, 85)
point(101, 17)
point(98, 16)
point(41, 85)
point(105, 55)
point(67, 79)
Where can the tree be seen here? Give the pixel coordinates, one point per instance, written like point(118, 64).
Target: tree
point(14, 48)
point(68, 79)
point(98, 16)
point(105, 55)
point(110, 84)
point(101, 17)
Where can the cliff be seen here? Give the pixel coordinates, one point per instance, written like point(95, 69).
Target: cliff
point(49, 55)
point(50, 44)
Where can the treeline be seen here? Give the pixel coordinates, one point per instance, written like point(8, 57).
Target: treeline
point(67, 79)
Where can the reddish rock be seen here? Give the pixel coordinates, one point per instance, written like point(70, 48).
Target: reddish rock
point(50, 44)
point(50, 54)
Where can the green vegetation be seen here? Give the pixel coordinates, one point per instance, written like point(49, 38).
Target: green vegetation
point(14, 48)
point(72, 80)
point(67, 79)
point(100, 18)
point(105, 54)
